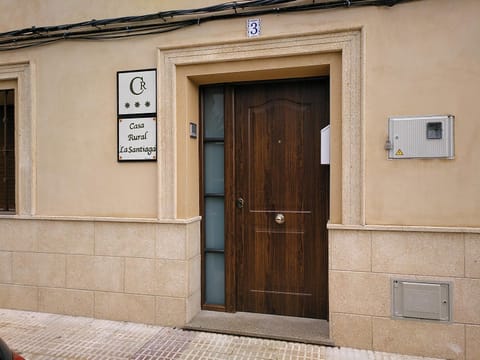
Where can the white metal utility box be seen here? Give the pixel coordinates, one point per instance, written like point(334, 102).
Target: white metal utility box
point(421, 300)
point(420, 137)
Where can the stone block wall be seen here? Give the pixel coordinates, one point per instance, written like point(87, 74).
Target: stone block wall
point(134, 271)
point(362, 264)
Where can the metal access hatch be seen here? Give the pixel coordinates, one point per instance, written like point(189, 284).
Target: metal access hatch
point(421, 300)
point(421, 137)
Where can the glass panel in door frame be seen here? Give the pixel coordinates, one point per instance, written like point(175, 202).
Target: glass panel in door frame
point(213, 197)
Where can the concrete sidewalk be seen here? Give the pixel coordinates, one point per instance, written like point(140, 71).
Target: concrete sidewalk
point(49, 336)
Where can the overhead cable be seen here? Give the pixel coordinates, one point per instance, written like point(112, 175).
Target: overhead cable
point(166, 21)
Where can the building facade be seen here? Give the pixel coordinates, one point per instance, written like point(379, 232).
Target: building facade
point(238, 206)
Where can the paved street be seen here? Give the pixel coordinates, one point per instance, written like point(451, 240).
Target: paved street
point(40, 336)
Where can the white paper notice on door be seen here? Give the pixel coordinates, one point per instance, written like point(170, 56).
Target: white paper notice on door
point(325, 145)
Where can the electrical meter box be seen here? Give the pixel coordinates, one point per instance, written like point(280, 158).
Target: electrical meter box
point(420, 137)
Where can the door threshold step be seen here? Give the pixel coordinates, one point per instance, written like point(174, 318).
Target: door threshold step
point(276, 327)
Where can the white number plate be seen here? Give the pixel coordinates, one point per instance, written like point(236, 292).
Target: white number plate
point(253, 27)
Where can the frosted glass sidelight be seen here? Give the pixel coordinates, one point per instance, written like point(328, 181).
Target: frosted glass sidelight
point(215, 279)
point(213, 156)
point(213, 100)
point(214, 223)
point(214, 190)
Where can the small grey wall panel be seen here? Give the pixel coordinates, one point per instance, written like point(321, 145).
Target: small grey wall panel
point(421, 137)
point(421, 300)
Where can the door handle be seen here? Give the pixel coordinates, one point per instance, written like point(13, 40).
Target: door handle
point(279, 218)
point(239, 203)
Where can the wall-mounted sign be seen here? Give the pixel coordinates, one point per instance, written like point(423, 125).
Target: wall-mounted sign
point(137, 139)
point(137, 92)
point(137, 115)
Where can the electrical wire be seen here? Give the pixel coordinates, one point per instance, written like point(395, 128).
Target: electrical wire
point(166, 21)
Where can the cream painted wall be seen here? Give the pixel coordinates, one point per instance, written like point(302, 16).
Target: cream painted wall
point(28, 13)
point(416, 67)
point(8, 84)
point(77, 171)
point(411, 66)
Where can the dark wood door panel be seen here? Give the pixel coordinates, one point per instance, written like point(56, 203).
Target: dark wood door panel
point(275, 150)
point(281, 267)
point(268, 289)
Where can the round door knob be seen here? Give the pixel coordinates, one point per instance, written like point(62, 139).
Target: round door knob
point(279, 218)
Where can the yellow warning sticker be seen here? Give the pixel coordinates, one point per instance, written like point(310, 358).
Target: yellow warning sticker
point(399, 152)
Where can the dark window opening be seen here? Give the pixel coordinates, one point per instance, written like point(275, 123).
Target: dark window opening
point(7, 150)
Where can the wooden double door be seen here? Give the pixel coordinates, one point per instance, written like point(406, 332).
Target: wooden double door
point(277, 198)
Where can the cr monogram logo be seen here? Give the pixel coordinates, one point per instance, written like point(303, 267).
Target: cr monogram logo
point(137, 85)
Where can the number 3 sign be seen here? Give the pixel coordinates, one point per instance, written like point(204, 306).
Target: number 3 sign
point(253, 27)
